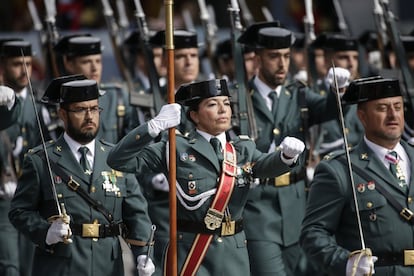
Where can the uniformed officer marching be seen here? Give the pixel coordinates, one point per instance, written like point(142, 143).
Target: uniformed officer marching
point(10, 107)
point(100, 203)
point(382, 167)
point(281, 108)
point(212, 184)
point(82, 54)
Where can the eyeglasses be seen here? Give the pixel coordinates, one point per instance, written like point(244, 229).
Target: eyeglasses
point(81, 111)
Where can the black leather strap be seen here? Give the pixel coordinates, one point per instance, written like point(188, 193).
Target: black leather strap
point(200, 227)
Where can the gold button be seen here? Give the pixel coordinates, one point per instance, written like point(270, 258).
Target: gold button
point(93, 189)
point(346, 131)
point(276, 131)
point(410, 200)
point(369, 205)
point(190, 176)
point(219, 239)
point(59, 195)
point(137, 137)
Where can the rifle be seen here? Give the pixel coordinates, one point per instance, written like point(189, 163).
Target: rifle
point(247, 122)
point(381, 32)
point(309, 22)
point(399, 50)
point(267, 14)
point(210, 29)
point(156, 100)
point(247, 15)
point(52, 38)
point(122, 18)
point(116, 44)
point(343, 26)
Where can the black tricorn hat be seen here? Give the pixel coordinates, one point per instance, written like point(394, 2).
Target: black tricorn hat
point(249, 36)
point(340, 42)
point(373, 88)
point(408, 42)
point(14, 48)
point(193, 93)
point(52, 92)
point(182, 39)
point(61, 46)
point(369, 39)
point(82, 45)
point(79, 91)
point(224, 49)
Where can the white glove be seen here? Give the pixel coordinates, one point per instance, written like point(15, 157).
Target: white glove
point(8, 190)
point(7, 97)
point(168, 117)
point(160, 182)
point(58, 232)
point(145, 266)
point(342, 77)
point(290, 148)
point(360, 263)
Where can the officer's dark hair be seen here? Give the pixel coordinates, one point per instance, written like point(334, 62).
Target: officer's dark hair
point(193, 107)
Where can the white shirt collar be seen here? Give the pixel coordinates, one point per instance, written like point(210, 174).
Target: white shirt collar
point(380, 152)
point(207, 136)
point(264, 90)
point(74, 147)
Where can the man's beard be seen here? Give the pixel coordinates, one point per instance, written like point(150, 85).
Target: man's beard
point(79, 136)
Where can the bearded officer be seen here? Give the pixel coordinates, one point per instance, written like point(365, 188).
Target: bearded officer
point(101, 203)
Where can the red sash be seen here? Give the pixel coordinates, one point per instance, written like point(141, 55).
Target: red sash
point(215, 214)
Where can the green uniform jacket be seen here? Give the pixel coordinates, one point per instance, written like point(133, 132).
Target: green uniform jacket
point(114, 119)
point(197, 164)
point(330, 230)
point(9, 117)
point(279, 210)
point(331, 132)
point(34, 203)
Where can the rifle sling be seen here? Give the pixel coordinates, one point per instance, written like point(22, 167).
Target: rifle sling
point(406, 213)
point(75, 186)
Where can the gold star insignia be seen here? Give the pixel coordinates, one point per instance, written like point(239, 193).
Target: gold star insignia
point(364, 156)
point(58, 148)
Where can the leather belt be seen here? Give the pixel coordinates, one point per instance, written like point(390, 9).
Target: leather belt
point(95, 230)
point(405, 258)
point(286, 179)
point(230, 229)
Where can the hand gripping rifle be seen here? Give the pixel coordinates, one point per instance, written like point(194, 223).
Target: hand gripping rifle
point(52, 38)
point(116, 43)
point(146, 47)
point(210, 29)
point(247, 122)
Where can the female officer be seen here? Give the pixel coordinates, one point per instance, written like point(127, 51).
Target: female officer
point(212, 184)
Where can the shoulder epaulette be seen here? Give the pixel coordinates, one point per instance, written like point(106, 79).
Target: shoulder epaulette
point(111, 85)
point(39, 148)
point(106, 143)
point(334, 154)
point(296, 84)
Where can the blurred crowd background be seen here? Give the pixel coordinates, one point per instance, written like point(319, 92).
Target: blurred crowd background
point(87, 16)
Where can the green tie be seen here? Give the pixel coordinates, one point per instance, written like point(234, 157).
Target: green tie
point(215, 142)
point(274, 98)
point(84, 161)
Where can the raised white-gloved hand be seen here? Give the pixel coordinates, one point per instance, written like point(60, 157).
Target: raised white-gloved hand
point(290, 148)
point(59, 231)
point(160, 182)
point(168, 117)
point(342, 77)
point(360, 263)
point(7, 96)
point(145, 266)
point(8, 190)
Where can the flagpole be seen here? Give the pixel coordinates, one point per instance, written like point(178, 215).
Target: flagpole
point(169, 48)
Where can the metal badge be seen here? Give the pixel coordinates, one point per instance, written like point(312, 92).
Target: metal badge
point(371, 185)
point(192, 187)
point(183, 156)
point(213, 219)
point(191, 158)
point(361, 187)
